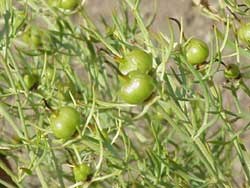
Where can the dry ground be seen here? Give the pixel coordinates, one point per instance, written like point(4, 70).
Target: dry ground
point(194, 23)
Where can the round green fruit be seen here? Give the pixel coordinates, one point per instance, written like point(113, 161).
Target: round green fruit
point(244, 33)
point(137, 88)
point(81, 172)
point(136, 60)
point(68, 4)
point(64, 122)
point(232, 71)
point(196, 51)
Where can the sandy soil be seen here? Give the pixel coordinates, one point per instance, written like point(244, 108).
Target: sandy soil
point(194, 23)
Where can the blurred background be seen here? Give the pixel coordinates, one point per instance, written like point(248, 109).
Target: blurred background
point(195, 24)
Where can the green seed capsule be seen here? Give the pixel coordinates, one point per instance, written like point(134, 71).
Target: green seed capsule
point(81, 172)
point(68, 4)
point(244, 33)
point(137, 88)
point(136, 60)
point(232, 71)
point(64, 122)
point(196, 51)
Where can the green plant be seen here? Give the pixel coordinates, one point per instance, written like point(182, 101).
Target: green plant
point(49, 73)
point(33, 37)
point(64, 122)
point(159, 122)
point(36, 38)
